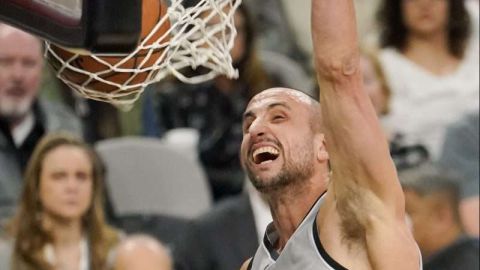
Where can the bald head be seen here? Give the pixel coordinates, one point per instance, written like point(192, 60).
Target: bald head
point(142, 252)
point(6, 31)
point(20, 72)
point(299, 96)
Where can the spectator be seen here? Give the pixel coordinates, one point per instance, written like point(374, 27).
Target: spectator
point(237, 223)
point(375, 83)
point(432, 203)
point(215, 109)
point(24, 118)
point(431, 66)
point(460, 153)
point(59, 223)
point(102, 120)
point(274, 31)
point(142, 252)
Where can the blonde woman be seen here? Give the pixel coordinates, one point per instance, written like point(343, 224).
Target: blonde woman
point(60, 224)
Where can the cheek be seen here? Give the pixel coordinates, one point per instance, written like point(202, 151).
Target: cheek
point(243, 147)
point(47, 192)
point(33, 81)
point(410, 11)
point(2, 81)
point(443, 11)
point(87, 192)
point(238, 48)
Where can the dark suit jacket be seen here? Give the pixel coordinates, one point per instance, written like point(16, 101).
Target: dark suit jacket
point(461, 255)
point(221, 239)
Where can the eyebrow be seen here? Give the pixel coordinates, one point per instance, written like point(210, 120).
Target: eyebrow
point(248, 114)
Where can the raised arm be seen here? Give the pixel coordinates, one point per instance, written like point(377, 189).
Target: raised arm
point(360, 159)
point(365, 193)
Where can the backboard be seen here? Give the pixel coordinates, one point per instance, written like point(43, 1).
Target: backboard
point(97, 26)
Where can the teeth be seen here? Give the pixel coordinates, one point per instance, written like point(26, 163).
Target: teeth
point(265, 149)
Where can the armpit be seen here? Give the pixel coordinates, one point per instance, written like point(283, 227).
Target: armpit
point(356, 206)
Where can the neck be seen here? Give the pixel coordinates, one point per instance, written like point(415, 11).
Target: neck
point(290, 205)
point(65, 233)
point(418, 45)
point(437, 41)
point(432, 52)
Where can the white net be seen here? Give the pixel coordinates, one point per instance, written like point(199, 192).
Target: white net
point(187, 38)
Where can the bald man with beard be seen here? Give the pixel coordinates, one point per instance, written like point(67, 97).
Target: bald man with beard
point(326, 170)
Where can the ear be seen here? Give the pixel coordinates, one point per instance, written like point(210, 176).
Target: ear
point(320, 147)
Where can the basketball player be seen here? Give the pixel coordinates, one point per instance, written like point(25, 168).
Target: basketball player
point(326, 171)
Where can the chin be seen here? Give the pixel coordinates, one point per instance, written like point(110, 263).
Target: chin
point(18, 109)
point(70, 214)
point(266, 183)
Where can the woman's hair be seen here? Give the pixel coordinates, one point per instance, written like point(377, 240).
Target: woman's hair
point(249, 66)
point(372, 56)
point(26, 227)
point(394, 32)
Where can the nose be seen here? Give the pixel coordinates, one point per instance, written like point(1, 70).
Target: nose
point(72, 184)
point(257, 128)
point(17, 72)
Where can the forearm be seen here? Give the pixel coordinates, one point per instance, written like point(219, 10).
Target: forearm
point(334, 38)
point(357, 146)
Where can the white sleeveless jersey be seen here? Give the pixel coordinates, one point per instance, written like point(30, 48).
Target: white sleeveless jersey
point(303, 250)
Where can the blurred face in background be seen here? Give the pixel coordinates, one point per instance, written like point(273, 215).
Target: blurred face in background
point(21, 63)
point(424, 17)
point(431, 218)
point(239, 44)
point(373, 85)
point(66, 183)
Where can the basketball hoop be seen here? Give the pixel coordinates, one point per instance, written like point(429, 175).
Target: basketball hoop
point(198, 36)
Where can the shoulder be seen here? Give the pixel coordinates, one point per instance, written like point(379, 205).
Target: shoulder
point(6, 250)
point(246, 265)
point(60, 117)
point(389, 54)
point(467, 123)
point(463, 254)
point(226, 211)
point(230, 220)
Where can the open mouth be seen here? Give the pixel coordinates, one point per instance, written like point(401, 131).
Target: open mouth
point(265, 155)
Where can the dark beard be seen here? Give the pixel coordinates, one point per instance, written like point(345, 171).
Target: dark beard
point(290, 175)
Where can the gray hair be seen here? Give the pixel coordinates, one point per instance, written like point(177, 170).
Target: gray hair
point(429, 178)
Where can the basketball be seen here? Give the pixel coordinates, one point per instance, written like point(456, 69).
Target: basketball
point(152, 12)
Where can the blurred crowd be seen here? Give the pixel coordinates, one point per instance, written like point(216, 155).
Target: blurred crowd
point(185, 201)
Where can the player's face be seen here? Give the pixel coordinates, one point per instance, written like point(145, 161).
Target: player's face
point(425, 16)
point(21, 65)
point(277, 148)
point(66, 183)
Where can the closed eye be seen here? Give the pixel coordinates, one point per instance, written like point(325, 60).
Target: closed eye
point(278, 118)
point(246, 125)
